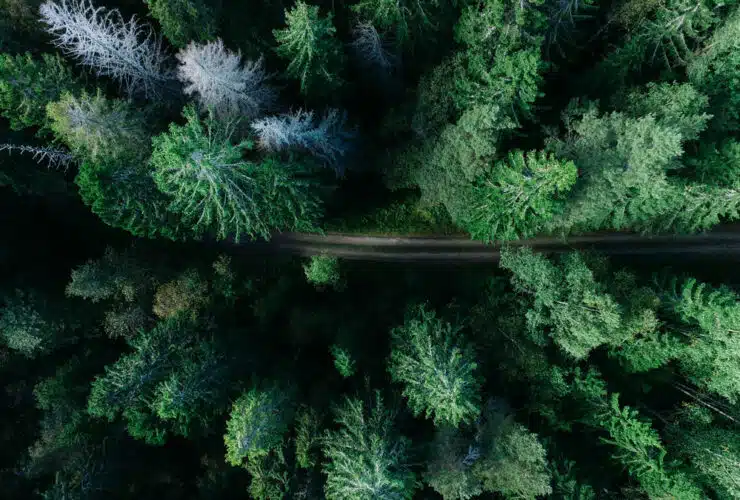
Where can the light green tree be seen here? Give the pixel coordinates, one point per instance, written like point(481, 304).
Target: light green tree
point(520, 196)
point(116, 275)
point(213, 189)
point(27, 85)
point(29, 325)
point(367, 460)
point(343, 361)
point(323, 270)
point(308, 43)
point(436, 367)
point(258, 422)
point(95, 127)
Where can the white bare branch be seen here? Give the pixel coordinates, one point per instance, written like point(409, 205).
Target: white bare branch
point(54, 157)
point(129, 52)
point(370, 48)
point(221, 83)
point(326, 139)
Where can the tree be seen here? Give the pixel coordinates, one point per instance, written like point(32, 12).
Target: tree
point(186, 294)
point(713, 316)
point(258, 422)
point(116, 275)
point(323, 270)
point(521, 196)
point(366, 458)
point(27, 85)
point(343, 361)
point(326, 139)
point(308, 43)
point(513, 461)
point(405, 18)
point(108, 44)
point(222, 84)
point(568, 302)
point(450, 465)
point(370, 48)
point(437, 369)
point(715, 453)
point(214, 190)
point(94, 127)
point(30, 326)
point(717, 164)
point(183, 21)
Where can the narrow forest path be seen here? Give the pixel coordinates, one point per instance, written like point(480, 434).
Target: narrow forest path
point(723, 240)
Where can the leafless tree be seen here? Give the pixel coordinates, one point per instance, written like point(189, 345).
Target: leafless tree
point(326, 139)
point(126, 51)
point(222, 83)
point(53, 157)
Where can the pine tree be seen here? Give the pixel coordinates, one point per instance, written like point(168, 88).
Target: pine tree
point(308, 43)
point(214, 190)
point(223, 84)
point(343, 361)
point(404, 19)
point(717, 164)
point(715, 454)
point(437, 369)
point(370, 48)
point(95, 127)
point(29, 324)
point(183, 21)
point(258, 422)
point(521, 196)
point(450, 465)
point(108, 44)
point(366, 458)
point(27, 85)
point(116, 275)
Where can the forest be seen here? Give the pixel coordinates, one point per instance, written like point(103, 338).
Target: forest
point(148, 351)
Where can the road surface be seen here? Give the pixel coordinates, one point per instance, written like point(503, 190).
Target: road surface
point(722, 241)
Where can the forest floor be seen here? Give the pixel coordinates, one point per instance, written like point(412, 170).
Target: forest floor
point(722, 241)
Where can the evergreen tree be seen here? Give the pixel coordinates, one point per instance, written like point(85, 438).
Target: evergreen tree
point(30, 325)
point(323, 270)
point(366, 458)
point(437, 369)
point(94, 127)
point(183, 21)
point(215, 191)
point(27, 85)
point(404, 19)
point(520, 196)
point(343, 361)
point(258, 422)
point(308, 43)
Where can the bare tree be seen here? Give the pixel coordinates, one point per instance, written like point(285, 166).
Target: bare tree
point(125, 51)
point(221, 83)
point(370, 49)
point(327, 139)
point(54, 157)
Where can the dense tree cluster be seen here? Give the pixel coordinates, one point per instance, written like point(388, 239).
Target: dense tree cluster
point(148, 350)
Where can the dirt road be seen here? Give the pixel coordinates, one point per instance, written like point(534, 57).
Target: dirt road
point(724, 241)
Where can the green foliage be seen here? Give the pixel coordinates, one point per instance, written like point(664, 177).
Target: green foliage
point(513, 462)
point(95, 127)
point(569, 302)
point(307, 438)
point(214, 190)
point(117, 275)
point(343, 361)
point(186, 294)
point(29, 325)
point(323, 270)
point(167, 384)
point(715, 454)
point(711, 359)
point(259, 419)
point(521, 196)
point(404, 18)
point(450, 465)
point(437, 369)
point(183, 21)
point(27, 85)
point(718, 164)
point(366, 458)
point(309, 45)
point(270, 479)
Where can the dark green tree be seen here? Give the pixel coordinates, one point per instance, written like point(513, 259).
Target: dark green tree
point(184, 21)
